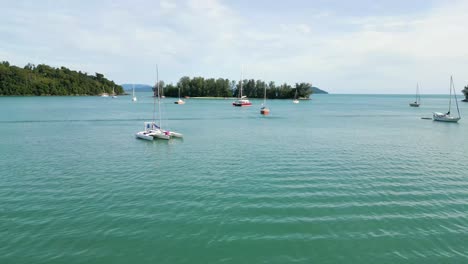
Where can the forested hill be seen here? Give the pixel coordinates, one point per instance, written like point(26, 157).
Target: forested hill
point(316, 90)
point(210, 87)
point(45, 80)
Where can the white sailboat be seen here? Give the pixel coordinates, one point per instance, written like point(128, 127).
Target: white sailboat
point(446, 117)
point(417, 101)
point(180, 101)
point(295, 101)
point(242, 101)
point(153, 130)
point(113, 93)
point(134, 99)
point(264, 110)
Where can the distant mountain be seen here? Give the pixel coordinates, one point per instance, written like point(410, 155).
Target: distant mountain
point(138, 87)
point(316, 90)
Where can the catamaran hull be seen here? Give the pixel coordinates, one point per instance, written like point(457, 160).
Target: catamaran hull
point(445, 118)
point(175, 134)
point(144, 135)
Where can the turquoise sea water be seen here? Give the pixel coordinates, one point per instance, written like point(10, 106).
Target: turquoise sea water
point(337, 179)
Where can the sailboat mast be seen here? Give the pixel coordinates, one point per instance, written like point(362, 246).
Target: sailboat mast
point(455, 94)
point(264, 96)
point(450, 97)
point(417, 92)
point(154, 95)
point(159, 95)
point(241, 81)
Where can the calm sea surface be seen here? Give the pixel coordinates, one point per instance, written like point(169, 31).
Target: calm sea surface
point(337, 179)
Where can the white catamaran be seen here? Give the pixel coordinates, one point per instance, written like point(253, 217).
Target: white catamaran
point(153, 130)
point(446, 117)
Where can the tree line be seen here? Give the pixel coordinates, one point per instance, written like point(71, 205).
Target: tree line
point(45, 80)
point(210, 87)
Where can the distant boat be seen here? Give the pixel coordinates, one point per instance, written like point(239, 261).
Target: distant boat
point(153, 130)
point(264, 110)
point(447, 117)
point(242, 101)
point(104, 95)
point(180, 101)
point(113, 93)
point(295, 101)
point(134, 99)
point(417, 101)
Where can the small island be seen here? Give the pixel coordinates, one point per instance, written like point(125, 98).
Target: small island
point(44, 80)
point(225, 88)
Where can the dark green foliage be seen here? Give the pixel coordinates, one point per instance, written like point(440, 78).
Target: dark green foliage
point(201, 87)
point(46, 80)
point(465, 92)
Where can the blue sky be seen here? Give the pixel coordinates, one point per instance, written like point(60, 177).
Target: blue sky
point(341, 46)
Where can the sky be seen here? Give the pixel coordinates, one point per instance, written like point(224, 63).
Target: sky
point(359, 46)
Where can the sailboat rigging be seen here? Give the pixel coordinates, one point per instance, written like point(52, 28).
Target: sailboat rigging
point(447, 117)
point(264, 110)
point(153, 130)
point(242, 101)
point(417, 101)
point(180, 101)
point(134, 99)
point(295, 101)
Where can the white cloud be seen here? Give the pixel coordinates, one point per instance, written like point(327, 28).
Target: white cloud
point(210, 38)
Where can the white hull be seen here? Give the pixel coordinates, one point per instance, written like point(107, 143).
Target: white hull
point(162, 135)
point(295, 101)
point(445, 118)
point(175, 134)
point(180, 101)
point(144, 135)
point(134, 99)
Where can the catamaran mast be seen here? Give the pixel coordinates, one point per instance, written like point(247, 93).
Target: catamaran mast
point(159, 95)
